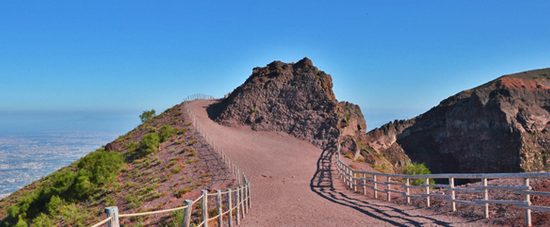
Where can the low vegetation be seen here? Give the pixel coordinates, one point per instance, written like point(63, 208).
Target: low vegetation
point(417, 169)
point(166, 132)
point(57, 195)
point(147, 115)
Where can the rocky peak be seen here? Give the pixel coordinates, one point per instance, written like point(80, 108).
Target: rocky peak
point(296, 98)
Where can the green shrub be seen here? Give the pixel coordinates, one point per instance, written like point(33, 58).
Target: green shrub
point(147, 115)
point(62, 181)
point(82, 186)
point(175, 169)
point(43, 221)
point(417, 169)
point(101, 166)
point(166, 132)
point(21, 223)
point(73, 215)
point(149, 144)
point(54, 204)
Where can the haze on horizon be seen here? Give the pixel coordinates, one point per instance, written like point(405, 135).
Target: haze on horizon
point(397, 59)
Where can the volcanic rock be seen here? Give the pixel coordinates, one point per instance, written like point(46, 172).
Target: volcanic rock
point(501, 126)
point(296, 98)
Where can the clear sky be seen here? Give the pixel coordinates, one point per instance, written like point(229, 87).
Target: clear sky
point(395, 59)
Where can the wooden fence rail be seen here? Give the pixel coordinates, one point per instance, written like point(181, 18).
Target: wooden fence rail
point(372, 180)
point(238, 199)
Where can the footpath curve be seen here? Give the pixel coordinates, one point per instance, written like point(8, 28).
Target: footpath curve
point(293, 183)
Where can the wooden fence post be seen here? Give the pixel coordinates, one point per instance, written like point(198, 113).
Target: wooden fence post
point(428, 192)
point(407, 190)
point(238, 176)
point(204, 207)
point(364, 183)
point(453, 196)
point(220, 208)
point(345, 175)
point(113, 213)
point(187, 213)
point(354, 181)
point(350, 176)
point(245, 195)
point(237, 215)
point(375, 189)
point(340, 170)
point(486, 197)
point(230, 214)
point(242, 201)
point(388, 188)
point(528, 203)
point(248, 193)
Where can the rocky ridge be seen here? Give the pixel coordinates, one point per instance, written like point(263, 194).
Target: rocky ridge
point(500, 126)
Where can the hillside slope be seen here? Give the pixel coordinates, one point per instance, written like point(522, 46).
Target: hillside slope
point(500, 126)
point(155, 166)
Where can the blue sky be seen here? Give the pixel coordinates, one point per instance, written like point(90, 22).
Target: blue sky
point(395, 59)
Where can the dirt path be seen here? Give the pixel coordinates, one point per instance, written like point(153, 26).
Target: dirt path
point(292, 183)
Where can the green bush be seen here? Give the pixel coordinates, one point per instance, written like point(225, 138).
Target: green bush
point(417, 169)
point(147, 115)
point(100, 167)
point(54, 204)
point(73, 216)
point(149, 144)
point(166, 132)
point(43, 221)
point(21, 223)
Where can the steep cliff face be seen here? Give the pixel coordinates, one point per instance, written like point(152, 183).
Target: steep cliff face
point(501, 126)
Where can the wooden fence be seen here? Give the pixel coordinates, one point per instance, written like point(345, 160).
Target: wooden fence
point(400, 184)
point(238, 200)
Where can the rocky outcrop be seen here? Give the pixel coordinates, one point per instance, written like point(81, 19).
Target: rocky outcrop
point(297, 98)
point(501, 126)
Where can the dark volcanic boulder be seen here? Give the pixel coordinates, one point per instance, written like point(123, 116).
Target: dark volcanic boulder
point(296, 98)
point(501, 126)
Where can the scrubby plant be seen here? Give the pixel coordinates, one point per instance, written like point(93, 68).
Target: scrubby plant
point(417, 169)
point(147, 115)
point(42, 220)
point(149, 144)
point(175, 169)
point(166, 132)
point(181, 192)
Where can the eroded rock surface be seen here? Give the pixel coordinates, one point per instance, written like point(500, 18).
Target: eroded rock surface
point(501, 126)
point(296, 98)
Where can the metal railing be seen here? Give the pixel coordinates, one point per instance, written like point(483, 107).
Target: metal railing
point(400, 184)
point(238, 200)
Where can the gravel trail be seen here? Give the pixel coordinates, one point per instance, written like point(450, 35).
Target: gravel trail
point(292, 183)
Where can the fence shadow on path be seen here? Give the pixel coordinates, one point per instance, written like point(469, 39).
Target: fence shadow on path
point(323, 183)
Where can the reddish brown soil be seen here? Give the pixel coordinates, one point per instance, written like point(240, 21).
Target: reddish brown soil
point(293, 183)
